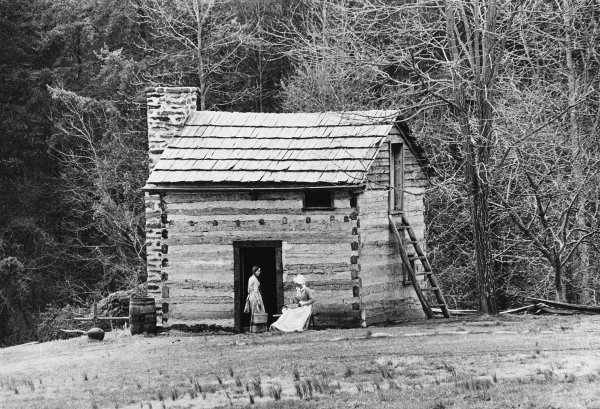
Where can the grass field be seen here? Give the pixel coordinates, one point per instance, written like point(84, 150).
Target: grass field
point(508, 362)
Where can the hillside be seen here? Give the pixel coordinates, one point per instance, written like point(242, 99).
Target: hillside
point(534, 361)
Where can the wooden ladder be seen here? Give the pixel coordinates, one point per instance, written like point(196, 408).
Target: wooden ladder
point(406, 260)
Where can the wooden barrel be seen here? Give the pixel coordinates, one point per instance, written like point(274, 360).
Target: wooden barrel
point(142, 315)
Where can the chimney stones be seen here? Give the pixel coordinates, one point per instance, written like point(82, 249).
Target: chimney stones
point(168, 109)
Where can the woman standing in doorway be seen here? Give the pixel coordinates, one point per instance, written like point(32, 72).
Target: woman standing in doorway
point(254, 301)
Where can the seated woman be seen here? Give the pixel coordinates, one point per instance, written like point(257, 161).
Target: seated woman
point(295, 315)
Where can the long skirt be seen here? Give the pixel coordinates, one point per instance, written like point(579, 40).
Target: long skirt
point(254, 303)
point(293, 319)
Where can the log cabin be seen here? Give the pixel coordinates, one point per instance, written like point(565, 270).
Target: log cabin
point(293, 193)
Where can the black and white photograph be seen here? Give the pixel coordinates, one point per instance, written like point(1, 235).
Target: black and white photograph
point(312, 204)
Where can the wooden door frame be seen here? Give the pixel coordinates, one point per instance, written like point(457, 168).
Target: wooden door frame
point(237, 280)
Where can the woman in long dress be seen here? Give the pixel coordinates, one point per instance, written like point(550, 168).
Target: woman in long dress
point(295, 316)
point(254, 301)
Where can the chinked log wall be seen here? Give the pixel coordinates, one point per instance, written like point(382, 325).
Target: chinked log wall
point(190, 251)
point(384, 296)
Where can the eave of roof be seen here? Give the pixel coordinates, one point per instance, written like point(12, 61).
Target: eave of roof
point(171, 187)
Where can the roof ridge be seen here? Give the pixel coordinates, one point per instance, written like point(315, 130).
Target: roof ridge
point(292, 120)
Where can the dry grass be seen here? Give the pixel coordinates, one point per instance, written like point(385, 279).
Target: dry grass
point(546, 362)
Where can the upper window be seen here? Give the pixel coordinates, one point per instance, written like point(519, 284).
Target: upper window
point(396, 177)
point(318, 199)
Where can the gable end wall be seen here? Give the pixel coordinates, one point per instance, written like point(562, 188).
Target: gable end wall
point(384, 295)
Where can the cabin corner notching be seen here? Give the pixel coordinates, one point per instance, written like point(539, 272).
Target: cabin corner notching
point(293, 194)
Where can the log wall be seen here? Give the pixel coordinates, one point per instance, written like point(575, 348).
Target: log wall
point(385, 295)
point(191, 262)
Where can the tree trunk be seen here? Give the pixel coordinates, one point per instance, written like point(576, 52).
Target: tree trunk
point(201, 69)
point(477, 176)
point(476, 144)
point(580, 265)
point(201, 12)
point(560, 291)
point(477, 182)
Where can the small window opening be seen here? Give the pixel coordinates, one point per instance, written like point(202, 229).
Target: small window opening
point(318, 199)
point(396, 177)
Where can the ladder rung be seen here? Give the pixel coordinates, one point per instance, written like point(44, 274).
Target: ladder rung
point(425, 273)
point(416, 257)
point(404, 225)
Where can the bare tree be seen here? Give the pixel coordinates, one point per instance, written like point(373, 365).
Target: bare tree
point(545, 209)
point(100, 181)
point(440, 54)
point(549, 139)
point(460, 71)
point(195, 39)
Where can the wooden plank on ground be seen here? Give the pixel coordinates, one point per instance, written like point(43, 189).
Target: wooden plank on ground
point(520, 309)
point(575, 307)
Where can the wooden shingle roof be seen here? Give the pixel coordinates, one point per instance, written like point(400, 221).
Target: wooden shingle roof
point(306, 148)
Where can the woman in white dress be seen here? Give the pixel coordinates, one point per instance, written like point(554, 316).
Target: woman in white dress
point(296, 314)
point(254, 301)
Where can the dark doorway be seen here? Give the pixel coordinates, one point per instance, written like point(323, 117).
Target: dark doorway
point(267, 256)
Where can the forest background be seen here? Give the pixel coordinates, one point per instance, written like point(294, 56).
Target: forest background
point(502, 95)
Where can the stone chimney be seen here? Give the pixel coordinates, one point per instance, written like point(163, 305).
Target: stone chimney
point(168, 109)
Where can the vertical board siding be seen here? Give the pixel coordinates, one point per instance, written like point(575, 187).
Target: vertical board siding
point(201, 228)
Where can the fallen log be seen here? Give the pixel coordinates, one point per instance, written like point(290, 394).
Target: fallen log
point(575, 307)
point(455, 312)
point(102, 319)
point(73, 332)
point(541, 309)
point(520, 309)
point(557, 311)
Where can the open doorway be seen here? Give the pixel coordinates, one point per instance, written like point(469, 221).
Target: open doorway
point(267, 256)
